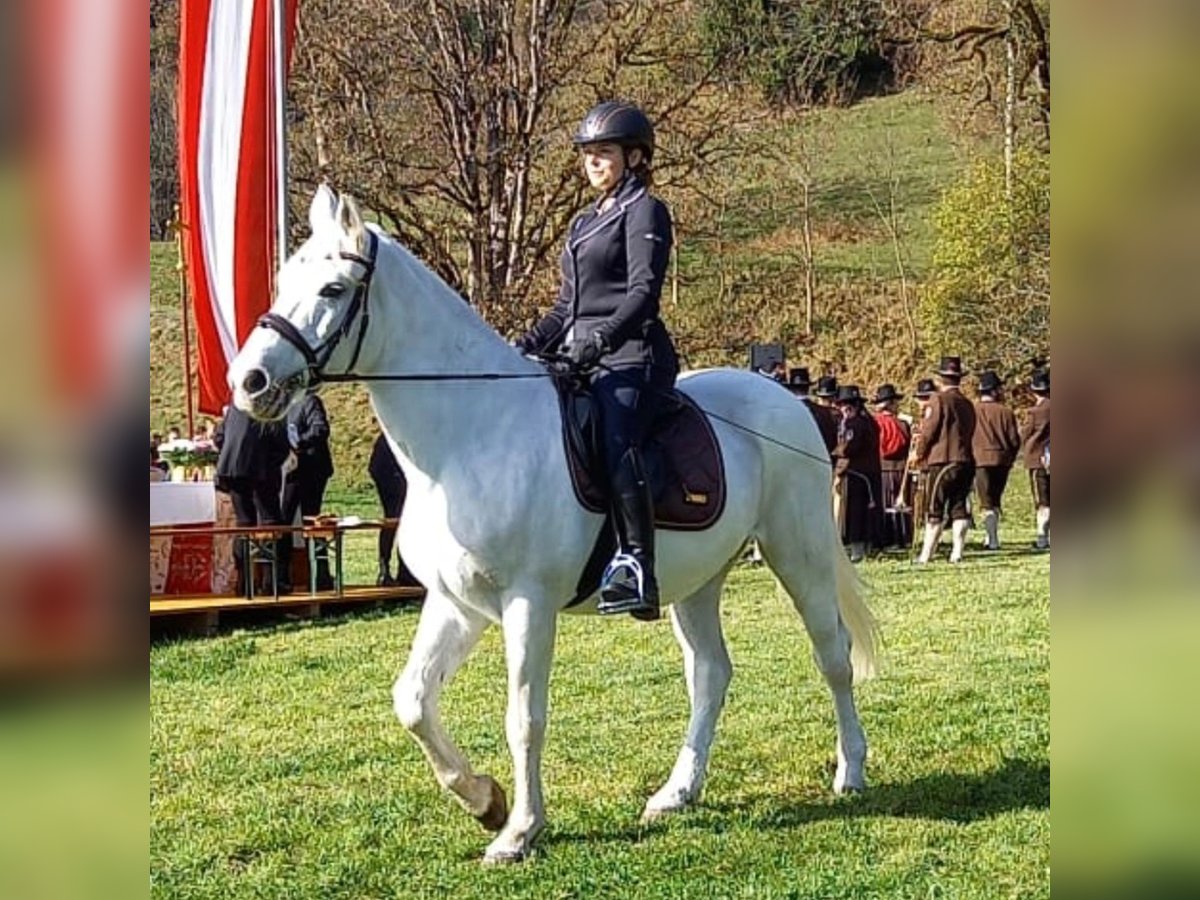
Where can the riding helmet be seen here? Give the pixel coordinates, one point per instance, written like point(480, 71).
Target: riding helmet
point(617, 122)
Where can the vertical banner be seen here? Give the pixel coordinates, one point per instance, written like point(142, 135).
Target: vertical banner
point(229, 179)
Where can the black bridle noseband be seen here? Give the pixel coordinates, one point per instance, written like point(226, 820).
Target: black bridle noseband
point(317, 358)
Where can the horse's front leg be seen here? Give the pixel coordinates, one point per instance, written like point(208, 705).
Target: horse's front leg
point(529, 649)
point(445, 636)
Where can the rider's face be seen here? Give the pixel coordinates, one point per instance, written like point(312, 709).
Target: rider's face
point(603, 164)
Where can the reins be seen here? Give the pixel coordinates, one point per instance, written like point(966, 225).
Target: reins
point(317, 358)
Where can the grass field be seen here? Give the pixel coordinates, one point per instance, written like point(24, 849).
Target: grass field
point(278, 769)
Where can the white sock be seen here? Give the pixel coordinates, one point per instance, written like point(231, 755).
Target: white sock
point(1043, 527)
point(958, 530)
point(932, 534)
point(991, 525)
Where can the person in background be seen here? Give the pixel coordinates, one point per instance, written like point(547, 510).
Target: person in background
point(250, 470)
point(156, 472)
point(857, 473)
point(304, 485)
point(895, 439)
point(827, 419)
point(995, 446)
point(173, 433)
point(391, 487)
point(947, 429)
point(826, 392)
point(1035, 439)
point(155, 459)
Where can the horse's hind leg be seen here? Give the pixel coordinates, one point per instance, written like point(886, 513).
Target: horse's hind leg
point(697, 624)
point(806, 564)
point(445, 636)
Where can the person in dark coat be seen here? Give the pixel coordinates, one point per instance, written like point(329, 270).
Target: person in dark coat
point(857, 473)
point(947, 431)
point(304, 485)
point(826, 418)
point(1035, 438)
point(895, 439)
point(607, 316)
point(392, 488)
point(995, 446)
point(250, 469)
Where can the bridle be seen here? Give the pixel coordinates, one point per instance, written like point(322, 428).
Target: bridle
point(318, 357)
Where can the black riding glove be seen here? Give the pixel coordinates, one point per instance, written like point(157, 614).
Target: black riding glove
point(586, 352)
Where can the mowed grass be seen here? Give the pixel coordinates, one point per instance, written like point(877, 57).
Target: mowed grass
point(278, 768)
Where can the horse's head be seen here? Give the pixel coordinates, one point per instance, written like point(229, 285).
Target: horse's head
point(313, 324)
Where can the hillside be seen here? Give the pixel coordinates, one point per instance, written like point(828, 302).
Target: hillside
point(746, 282)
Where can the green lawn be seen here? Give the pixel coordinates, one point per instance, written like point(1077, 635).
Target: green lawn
point(278, 769)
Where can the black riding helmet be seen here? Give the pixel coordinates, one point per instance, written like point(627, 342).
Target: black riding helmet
point(616, 122)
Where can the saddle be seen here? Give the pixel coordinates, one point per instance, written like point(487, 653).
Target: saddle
point(681, 457)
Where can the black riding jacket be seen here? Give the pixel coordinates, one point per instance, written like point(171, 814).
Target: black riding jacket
point(613, 268)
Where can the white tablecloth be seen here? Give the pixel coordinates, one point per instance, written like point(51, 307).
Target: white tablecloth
point(182, 503)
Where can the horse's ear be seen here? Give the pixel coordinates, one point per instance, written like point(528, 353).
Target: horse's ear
point(323, 208)
point(350, 221)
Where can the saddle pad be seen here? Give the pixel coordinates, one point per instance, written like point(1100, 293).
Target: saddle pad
point(690, 493)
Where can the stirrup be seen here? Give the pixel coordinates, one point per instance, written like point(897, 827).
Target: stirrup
point(623, 589)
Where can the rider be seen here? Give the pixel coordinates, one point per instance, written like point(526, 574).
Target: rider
point(613, 267)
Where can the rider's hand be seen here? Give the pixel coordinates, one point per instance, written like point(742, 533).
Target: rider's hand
point(586, 352)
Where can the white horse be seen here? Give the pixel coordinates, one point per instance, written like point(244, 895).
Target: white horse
point(491, 525)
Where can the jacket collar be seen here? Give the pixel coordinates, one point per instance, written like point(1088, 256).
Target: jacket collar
point(629, 190)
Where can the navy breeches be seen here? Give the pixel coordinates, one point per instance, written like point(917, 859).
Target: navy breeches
point(627, 407)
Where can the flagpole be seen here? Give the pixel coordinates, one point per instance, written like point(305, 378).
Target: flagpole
point(177, 227)
point(281, 207)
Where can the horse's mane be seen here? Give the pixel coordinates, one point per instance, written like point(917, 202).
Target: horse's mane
point(416, 270)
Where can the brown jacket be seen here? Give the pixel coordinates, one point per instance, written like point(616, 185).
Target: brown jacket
point(997, 438)
point(858, 446)
point(947, 429)
point(1036, 435)
point(827, 422)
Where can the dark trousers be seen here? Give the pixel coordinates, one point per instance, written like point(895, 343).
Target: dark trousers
point(990, 482)
point(303, 492)
point(949, 488)
point(256, 502)
point(862, 513)
point(391, 498)
point(627, 400)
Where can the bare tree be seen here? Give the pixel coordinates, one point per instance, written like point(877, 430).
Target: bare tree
point(451, 119)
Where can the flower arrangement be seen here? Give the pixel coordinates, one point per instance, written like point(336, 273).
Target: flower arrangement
point(182, 453)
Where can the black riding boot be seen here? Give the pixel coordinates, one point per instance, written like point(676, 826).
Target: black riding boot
point(633, 512)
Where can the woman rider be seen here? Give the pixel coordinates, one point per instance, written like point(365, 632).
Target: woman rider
point(613, 267)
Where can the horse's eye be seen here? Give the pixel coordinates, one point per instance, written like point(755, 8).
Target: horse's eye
point(333, 290)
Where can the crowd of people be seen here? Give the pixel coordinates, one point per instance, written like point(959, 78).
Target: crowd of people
point(275, 473)
point(898, 476)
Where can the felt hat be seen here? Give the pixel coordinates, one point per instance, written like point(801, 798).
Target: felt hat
point(989, 382)
point(925, 388)
point(951, 366)
point(885, 393)
point(827, 387)
point(1040, 382)
point(798, 377)
point(849, 393)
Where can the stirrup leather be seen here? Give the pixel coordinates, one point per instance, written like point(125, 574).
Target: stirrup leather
point(623, 586)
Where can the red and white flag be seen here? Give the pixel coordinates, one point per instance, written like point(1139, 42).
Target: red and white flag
point(228, 173)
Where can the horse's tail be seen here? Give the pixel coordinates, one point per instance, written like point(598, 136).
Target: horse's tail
point(856, 616)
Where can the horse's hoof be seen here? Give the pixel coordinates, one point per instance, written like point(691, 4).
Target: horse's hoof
point(494, 817)
point(504, 858)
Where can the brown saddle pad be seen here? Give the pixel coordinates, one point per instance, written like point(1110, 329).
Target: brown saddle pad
point(682, 457)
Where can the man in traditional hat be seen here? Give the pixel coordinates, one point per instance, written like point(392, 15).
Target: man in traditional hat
point(947, 430)
point(827, 420)
point(895, 438)
point(916, 473)
point(1036, 444)
point(995, 445)
point(857, 474)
